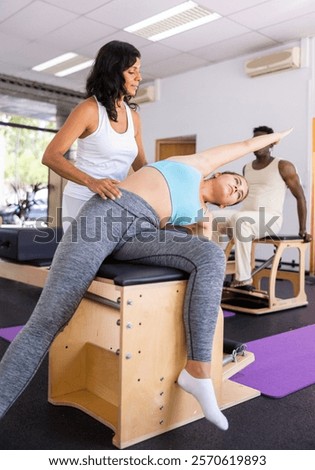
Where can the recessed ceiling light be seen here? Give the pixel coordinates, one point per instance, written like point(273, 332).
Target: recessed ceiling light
point(75, 68)
point(55, 61)
point(65, 64)
point(181, 18)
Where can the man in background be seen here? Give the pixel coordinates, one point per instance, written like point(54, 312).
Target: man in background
point(261, 213)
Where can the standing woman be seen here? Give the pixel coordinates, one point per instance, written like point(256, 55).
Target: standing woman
point(108, 130)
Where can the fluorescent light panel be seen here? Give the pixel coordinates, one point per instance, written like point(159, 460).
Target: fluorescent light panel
point(55, 61)
point(65, 64)
point(161, 16)
point(185, 16)
point(184, 27)
point(75, 68)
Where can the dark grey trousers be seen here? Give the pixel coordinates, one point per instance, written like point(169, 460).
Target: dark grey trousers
point(129, 230)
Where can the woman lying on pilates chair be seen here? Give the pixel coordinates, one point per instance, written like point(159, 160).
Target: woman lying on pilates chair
point(172, 191)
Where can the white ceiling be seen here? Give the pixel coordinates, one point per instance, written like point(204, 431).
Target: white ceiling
point(34, 31)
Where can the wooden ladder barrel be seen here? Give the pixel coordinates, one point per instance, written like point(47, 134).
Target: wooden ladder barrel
point(119, 357)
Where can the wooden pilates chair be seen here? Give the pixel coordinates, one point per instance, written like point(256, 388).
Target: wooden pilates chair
point(120, 355)
point(260, 301)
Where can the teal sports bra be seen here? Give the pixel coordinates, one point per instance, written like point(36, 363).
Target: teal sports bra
point(184, 186)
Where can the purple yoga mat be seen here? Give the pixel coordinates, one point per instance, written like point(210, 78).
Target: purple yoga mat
point(10, 333)
point(227, 314)
point(283, 364)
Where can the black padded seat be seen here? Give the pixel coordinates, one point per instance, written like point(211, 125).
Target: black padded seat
point(29, 245)
point(280, 237)
point(128, 274)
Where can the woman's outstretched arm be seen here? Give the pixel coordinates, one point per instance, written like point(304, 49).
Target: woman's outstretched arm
point(210, 160)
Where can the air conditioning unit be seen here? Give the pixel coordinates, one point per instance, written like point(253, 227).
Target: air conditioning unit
point(281, 60)
point(145, 95)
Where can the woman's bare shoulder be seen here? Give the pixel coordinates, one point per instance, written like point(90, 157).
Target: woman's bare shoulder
point(85, 113)
point(88, 105)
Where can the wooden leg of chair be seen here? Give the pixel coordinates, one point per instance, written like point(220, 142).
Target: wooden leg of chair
point(267, 302)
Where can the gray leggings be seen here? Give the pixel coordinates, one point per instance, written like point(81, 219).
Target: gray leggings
point(129, 230)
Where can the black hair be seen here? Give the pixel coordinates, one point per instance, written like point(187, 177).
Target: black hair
point(106, 80)
point(265, 129)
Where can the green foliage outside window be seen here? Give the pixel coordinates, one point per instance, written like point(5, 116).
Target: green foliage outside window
point(22, 150)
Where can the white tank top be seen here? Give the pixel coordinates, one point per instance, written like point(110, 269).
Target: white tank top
point(104, 154)
point(267, 188)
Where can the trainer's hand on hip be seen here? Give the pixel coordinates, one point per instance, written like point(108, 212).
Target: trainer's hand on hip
point(105, 187)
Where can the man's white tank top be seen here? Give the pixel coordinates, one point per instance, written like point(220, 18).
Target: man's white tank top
point(267, 188)
point(104, 154)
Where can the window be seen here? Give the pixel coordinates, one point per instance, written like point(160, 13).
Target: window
point(23, 178)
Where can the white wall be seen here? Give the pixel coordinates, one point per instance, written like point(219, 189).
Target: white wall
point(221, 104)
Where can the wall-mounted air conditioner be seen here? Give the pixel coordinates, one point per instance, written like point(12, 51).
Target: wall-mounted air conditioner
point(281, 60)
point(145, 95)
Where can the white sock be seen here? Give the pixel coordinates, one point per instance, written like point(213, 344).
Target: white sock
point(203, 391)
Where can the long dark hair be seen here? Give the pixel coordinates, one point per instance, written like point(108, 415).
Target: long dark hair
point(106, 80)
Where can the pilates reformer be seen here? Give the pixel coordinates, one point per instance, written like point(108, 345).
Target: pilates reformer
point(120, 355)
point(260, 301)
